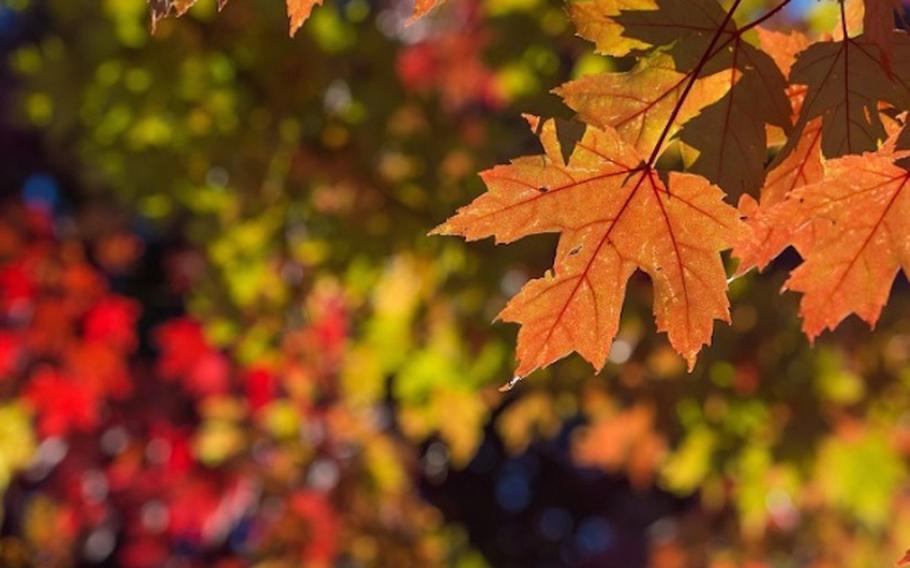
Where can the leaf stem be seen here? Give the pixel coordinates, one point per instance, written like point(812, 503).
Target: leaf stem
point(843, 24)
point(682, 99)
point(843, 20)
point(708, 55)
point(754, 24)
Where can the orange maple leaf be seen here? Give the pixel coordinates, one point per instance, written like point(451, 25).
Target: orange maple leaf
point(634, 27)
point(823, 107)
point(614, 215)
point(800, 166)
point(678, 40)
point(639, 103)
point(422, 8)
point(299, 12)
point(160, 9)
point(861, 209)
point(804, 165)
point(595, 20)
point(783, 48)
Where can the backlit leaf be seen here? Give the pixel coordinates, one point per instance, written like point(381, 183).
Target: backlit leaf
point(615, 215)
point(697, 41)
point(639, 102)
point(299, 11)
point(846, 82)
point(801, 166)
point(863, 207)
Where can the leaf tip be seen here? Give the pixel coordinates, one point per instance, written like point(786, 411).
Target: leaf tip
point(533, 121)
point(293, 28)
point(511, 384)
point(444, 229)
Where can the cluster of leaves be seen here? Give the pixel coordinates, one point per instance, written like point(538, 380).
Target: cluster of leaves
point(288, 197)
point(702, 98)
point(815, 453)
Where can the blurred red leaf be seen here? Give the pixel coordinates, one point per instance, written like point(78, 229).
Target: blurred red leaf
point(113, 321)
point(63, 405)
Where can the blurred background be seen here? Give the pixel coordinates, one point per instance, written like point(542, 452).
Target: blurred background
point(226, 340)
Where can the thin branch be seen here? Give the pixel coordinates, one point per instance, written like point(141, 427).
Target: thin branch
point(843, 23)
point(709, 54)
point(754, 24)
point(682, 99)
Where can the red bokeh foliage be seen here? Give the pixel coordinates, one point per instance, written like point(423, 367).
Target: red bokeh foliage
point(118, 450)
point(450, 63)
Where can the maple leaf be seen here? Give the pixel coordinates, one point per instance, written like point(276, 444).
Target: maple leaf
point(783, 48)
point(299, 11)
point(614, 215)
point(696, 41)
point(863, 208)
point(633, 27)
point(879, 24)
point(595, 20)
point(422, 8)
point(161, 9)
point(799, 167)
point(639, 103)
point(800, 162)
point(846, 81)
point(802, 166)
point(730, 136)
